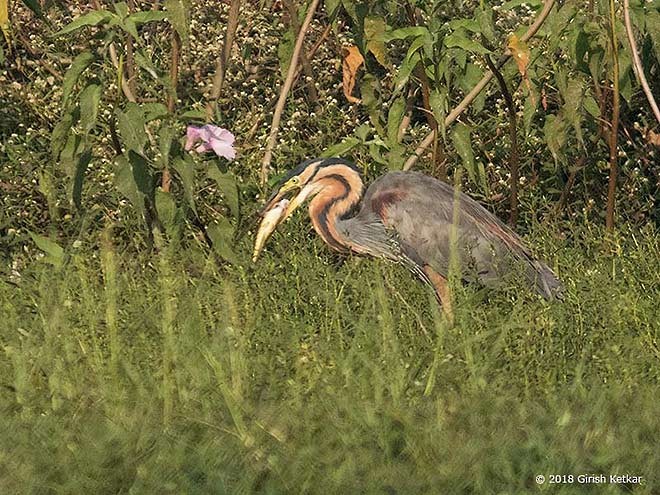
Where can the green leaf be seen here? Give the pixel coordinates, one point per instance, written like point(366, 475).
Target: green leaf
point(60, 135)
point(89, 107)
point(591, 106)
point(369, 87)
point(484, 17)
point(121, 8)
point(341, 148)
point(517, 3)
point(131, 127)
point(130, 27)
point(458, 40)
point(147, 16)
point(407, 32)
point(227, 185)
point(462, 142)
point(79, 176)
point(186, 172)
point(531, 103)
point(167, 211)
point(285, 52)
point(573, 97)
point(653, 29)
point(468, 24)
point(403, 73)
point(331, 7)
point(394, 118)
point(178, 14)
point(93, 18)
point(221, 235)
point(125, 183)
point(555, 135)
point(153, 111)
point(141, 173)
point(69, 154)
point(145, 63)
point(439, 106)
point(78, 66)
point(374, 33)
point(54, 252)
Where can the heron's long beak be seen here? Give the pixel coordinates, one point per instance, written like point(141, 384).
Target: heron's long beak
point(276, 211)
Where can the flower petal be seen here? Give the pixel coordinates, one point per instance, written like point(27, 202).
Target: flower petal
point(192, 136)
point(203, 148)
point(223, 148)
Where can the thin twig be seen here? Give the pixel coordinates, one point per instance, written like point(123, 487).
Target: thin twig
point(277, 115)
point(223, 59)
point(514, 157)
point(611, 187)
point(307, 67)
point(637, 63)
point(460, 108)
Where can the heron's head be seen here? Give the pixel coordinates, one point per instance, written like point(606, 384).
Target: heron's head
point(297, 186)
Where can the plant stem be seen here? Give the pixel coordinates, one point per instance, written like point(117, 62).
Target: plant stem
point(611, 189)
point(223, 59)
point(277, 115)
point(637, 63)
point(515, 156)
point(166, 180)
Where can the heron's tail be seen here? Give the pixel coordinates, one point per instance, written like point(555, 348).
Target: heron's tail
point(545, 281)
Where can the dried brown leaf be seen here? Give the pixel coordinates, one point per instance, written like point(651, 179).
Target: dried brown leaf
point(352, 61)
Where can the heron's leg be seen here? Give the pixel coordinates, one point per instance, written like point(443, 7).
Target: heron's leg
point(441, 289)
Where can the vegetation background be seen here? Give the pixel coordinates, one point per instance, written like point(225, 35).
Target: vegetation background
point(142, 352)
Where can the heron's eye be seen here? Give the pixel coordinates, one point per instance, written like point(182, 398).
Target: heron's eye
point(295, 180)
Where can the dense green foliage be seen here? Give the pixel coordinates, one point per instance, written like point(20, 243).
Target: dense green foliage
point(142, 352)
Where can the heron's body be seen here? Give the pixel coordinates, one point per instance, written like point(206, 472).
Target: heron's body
point(408, 217)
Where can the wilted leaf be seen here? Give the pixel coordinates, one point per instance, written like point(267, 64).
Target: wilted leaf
point(227, 185)
point(653, 138)
point(79, 64)
point(520, 53)
point(93, 18)
point(54, 252)
point(352, 61)
point(4, 18)
point(374, 32)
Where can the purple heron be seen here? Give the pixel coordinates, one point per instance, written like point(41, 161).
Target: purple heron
point(408, 218)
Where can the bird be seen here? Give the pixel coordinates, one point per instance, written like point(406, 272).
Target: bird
point(409, 218)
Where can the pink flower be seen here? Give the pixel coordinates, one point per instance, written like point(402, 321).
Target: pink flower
point(212, 137)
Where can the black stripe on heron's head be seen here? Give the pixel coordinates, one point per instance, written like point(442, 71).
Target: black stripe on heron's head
point(322, 218)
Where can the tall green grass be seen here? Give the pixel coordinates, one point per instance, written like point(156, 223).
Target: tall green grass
point(305, 374)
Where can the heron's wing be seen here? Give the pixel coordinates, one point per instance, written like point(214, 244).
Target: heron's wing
point(420, 209)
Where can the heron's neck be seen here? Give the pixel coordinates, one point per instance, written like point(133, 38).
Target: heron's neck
point(339, 190)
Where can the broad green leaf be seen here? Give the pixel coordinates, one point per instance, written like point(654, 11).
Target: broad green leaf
point(555, 135)
point(178, 14)
point(369, 87)
point(591, 106)
point(469, 80)
point(573, 105)
point(165, 137)
point(468, 24)
point(153, 111)
point(121, 8)
point(285, 52)
point(125, 183)
point(186, 172)
point(34, 6)
point(192, 115)
point(331, 7)
point(374, 33)
point(484, 17)
point(131, 127)
point(529, 110)
point(69, 155)
point(341, 148)
point(141, 173)
point(79, 64)
point(653, 29)
point(517, 3)
point(462, 142)
point(394, 117)
point(221, 235)
point(54, 252)
point(227, 185)
point(363, 132)
point(93, 18)
point(407, 32)
point(439, 106)
point(60, 135)
point(89, 107)
point(403, 73)
point(167, 210)
point(79, 176)
point(147, 16)
point(130, 27)
point(458, 39)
